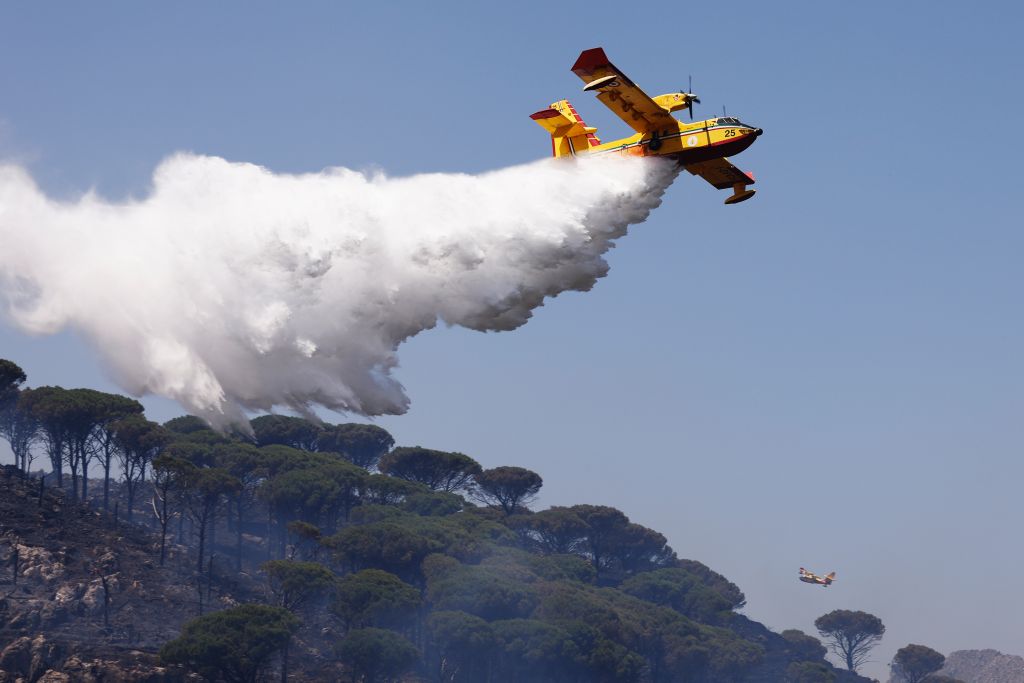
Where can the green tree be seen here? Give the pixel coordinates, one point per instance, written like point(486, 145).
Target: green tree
point(489, 592)
point(204, 489)
point(372, 597)
point(21, 431)
point(809, 672)
point(52, 409)
point(433, 504)
point(193, 452)
point(247, 464)
point(393, 547)
point(235, 645)
point(296, 584)
point(186, 424)
point(437, 470)
point(294, 432)
point(850, 635)
point(605, 527)
point(914, 663)
point(307, 538)
point(168, 472)
point(802, 645)
point(299, 494)
point(43, 406)
point(601, 659)
point(617, 546)
point(556, 530)
point(17, 427)
point(681, 590)
point(733, 658)
point(380, 489)
point(72, 422)
point(459, 646)
point(113, 408)
point(138, 441)
point(89, 412)
point(641, 549)
point(375, 656)
point(11, 378)
point(535, 651)
point(360, 444)
point(715, 581)
point(317, 494)
point(507, 487)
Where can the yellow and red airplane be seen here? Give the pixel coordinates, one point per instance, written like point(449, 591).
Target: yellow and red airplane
point(811, 577)
point(701, 146)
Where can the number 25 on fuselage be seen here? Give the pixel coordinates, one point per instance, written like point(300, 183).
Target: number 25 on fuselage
point(701, 146)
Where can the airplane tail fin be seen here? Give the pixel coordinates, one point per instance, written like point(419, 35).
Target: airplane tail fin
point(830, 577)
point(569, 134)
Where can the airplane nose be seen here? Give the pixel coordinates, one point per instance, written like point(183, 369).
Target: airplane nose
point(757, 131)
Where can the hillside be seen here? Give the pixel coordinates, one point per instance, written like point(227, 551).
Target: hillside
point(53, 611)
point(53, 616)
point(984, 666)
point(309, 551)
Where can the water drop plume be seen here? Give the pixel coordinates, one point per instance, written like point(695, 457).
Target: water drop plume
point(230, 287)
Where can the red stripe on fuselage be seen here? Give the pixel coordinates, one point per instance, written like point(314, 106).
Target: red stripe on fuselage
point(591, 138)
point(726, 141)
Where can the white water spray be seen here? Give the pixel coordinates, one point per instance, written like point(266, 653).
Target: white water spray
point(233, 287)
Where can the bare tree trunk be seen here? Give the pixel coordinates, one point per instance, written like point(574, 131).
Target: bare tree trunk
point(161, 516)
point(106, 483)
point(238, 530)
point(212, 541)
point(106, 601)
point(270, 532)
point(74, 483)
point(57, 462)
point(85, 478)
point(202, 543)
point(209, 580)
point(131, 500)
point(163, 542)
point(282, 529)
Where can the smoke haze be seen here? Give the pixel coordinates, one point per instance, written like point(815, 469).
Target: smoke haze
point(231, 287)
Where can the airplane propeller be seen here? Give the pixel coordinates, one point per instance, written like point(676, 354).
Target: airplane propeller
point(692, 98)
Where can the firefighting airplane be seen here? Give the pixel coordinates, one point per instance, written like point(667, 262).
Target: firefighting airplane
point(701, 147)
point(810, 577)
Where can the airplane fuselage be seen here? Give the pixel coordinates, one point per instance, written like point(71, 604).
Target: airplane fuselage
point(815, 579)
point(689, 143)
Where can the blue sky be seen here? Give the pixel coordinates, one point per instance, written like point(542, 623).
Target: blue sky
point(828, 375)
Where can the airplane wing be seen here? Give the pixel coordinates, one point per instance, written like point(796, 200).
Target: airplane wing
point(621, 95)
point(721, 174)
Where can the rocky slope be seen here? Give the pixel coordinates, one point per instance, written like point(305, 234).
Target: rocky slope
point(88, 601)
point(984, 666)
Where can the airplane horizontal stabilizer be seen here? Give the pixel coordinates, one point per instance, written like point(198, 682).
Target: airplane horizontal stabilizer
point(558, 124)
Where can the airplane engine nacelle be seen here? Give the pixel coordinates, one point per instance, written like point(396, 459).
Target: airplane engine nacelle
point(673, 101)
